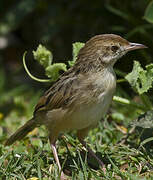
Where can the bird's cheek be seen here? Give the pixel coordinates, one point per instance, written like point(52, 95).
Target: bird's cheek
point(107, 59)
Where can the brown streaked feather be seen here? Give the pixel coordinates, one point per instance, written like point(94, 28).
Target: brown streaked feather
point(41, 103)
point(65, 91)
point(59, 93)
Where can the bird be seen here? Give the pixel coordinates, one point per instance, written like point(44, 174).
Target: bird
point(81, 96)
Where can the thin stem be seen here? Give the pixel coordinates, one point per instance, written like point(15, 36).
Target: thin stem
point(121, 80)
point(128, 102)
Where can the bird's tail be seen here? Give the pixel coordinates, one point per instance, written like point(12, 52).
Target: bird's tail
point(22, 131)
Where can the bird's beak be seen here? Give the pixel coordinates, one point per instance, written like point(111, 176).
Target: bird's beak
point(134, 46)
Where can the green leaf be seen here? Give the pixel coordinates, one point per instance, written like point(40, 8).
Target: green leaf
point(76, 48)
point(43, 56)
point(140, 79)
point(52, 71)
point(118, 116)
point(149, 12)
point(145, 120)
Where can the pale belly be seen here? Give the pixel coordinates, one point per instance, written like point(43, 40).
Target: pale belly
point(89, 115)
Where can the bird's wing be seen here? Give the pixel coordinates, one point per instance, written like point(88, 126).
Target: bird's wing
point(61, 94)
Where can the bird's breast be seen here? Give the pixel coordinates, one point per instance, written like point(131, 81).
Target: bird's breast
point(106, 81)
point(97, 101)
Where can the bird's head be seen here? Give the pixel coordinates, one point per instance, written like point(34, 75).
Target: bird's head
point(108, 48)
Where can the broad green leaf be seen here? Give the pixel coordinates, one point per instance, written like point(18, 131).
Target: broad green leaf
point(52, 71)
point(43, 56)
point(145, 120)
point(118, 116)
point(140, 79)
point(149, 12)
point(76, 48)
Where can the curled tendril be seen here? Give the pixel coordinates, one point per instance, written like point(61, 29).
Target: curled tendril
point(28, 72)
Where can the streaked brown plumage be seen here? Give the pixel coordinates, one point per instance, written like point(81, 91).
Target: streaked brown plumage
point(82, 95)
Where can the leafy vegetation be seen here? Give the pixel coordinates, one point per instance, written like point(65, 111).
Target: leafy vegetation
point(141, 79)
point(123, 139)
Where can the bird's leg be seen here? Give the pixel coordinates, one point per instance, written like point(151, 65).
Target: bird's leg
point(53, 146)
point(81, 134)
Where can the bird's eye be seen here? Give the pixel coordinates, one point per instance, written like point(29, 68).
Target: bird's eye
point(114, 48)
